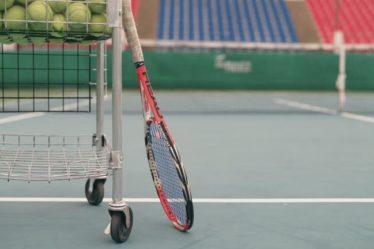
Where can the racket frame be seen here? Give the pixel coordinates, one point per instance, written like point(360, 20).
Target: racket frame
point(152, 114)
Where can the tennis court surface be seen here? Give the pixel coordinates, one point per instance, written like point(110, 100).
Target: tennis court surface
point(266, 169)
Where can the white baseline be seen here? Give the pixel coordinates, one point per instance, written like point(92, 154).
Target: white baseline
point(20, 117)
point(320, 109)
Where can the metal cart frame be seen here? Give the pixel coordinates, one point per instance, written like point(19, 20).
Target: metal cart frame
point(121, 214)
point(99, 160)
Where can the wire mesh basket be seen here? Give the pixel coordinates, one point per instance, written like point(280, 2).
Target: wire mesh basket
point(51, 158)
point(53, 78)
point(55, 21)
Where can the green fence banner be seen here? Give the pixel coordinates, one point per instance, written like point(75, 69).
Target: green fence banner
point(201, 70)
point(252, 70)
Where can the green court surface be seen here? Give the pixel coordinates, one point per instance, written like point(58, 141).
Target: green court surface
point(267, 170)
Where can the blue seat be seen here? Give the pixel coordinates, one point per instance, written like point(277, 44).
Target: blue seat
point(226, 21)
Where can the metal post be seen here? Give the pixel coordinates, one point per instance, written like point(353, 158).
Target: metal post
point(121, 214)
point(114, 10)
point(100, 78)
point(340, 81)
point(117, 155)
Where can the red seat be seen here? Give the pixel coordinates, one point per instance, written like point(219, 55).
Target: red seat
point(354, 17)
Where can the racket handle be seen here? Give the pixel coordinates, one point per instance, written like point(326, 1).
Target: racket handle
point(131, 32)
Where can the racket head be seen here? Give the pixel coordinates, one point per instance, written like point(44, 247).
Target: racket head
point(169, 176)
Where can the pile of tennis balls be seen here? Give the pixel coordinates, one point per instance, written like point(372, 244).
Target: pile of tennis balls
point(60, 18)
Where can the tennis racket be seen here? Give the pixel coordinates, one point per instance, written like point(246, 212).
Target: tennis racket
point(166, 166)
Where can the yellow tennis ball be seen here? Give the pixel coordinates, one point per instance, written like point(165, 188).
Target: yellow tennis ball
point(58, 6)
point(38, 40)
point(56, 40)
point(18, 37)
point(73, 39)
point(1, 20)
point(23, 2)
point(59, 23)
point(4, 39)
point(14, 18)
point(98, 24)
point(97, 6)
point(78, 16)
point(39, 13)
point(5, 4)
point(23, 41)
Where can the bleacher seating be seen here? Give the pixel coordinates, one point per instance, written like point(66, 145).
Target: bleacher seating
point(226, 21)
point(355, 18)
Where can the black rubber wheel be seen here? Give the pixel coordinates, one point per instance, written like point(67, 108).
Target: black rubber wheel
point(121, 225)
point(96, 196)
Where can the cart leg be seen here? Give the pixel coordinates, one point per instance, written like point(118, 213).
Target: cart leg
point(94, 188)
point(100, 92)
point(120, 212)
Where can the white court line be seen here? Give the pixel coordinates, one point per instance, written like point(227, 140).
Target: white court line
point(320, 109)
point(357, 117)
point(199, 200)
point(73, 106)
point(21, 117)
point(303, 106)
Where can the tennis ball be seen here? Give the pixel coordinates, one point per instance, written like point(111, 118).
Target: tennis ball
point(4, 39)
point(73, 39)
point(56, 41)
point(1, 20)
point(39, 13)
point(97, 6)
point(23, 2)
point(5, 4)
point(59, 23)
point(23, 41)
point(98, 24)
point(14, 18)
point(79, 14)
point(38, 40)
point(16, 38)
point(58, 6)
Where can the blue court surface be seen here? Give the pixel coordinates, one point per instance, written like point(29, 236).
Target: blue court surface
point(267, 170)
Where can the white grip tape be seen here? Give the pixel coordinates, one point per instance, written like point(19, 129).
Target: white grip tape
point(131, 32)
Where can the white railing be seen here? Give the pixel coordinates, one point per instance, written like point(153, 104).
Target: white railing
point(251, 46)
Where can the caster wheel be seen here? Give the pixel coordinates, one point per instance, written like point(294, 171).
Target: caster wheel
point(121, 225)
point(96, 195)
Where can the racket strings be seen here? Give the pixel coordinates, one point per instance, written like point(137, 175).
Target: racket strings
point(170, 180)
